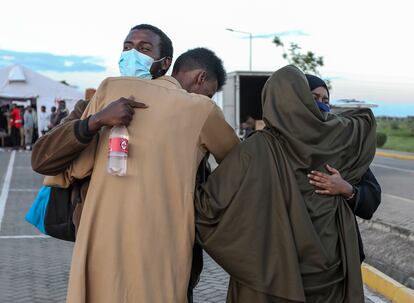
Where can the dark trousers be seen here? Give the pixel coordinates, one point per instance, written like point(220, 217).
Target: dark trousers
point(190, 295)
point(196, 268)
point(15, 136)
point(35, 135)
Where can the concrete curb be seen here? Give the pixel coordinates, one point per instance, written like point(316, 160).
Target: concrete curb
point(394, 155)
point(380, 225)
point(387, 287)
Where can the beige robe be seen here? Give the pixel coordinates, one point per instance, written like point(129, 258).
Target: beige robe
point(136, 234)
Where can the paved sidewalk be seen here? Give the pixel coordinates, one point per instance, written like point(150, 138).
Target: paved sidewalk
point(213, 283)
point(390, 254)
point(34, 270)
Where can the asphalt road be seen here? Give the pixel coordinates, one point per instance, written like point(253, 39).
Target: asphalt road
point(34, 268)
point(395, 176)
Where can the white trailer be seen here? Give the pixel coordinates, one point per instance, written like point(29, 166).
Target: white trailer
point(242, 95)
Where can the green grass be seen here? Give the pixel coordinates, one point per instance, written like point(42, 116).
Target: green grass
point(403, 128)
point(400, 143)
point(400, 134)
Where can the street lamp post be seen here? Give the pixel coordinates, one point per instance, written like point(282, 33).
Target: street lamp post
point(250, 38)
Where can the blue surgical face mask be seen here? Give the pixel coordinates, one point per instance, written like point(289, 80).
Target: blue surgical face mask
point(323, 107)
point(135, 64)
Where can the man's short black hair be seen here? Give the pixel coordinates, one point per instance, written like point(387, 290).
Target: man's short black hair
point(205, 59)
point(166, 47)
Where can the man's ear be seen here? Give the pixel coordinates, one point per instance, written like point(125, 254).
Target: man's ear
point(200, 77)
point(166, 63)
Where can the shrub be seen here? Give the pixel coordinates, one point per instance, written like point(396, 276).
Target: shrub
point(381, 139)
point(410, 126)
point(394, 125)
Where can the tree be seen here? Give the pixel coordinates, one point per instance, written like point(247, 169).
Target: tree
point(308, 61)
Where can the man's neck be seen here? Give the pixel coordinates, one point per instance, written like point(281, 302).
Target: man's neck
point(180, 79)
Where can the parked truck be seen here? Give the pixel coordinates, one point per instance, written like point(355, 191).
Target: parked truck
point(241, 96)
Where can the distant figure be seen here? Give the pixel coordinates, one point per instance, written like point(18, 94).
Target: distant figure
point(247, 127)
point(3, 126)
point(44, 120)
point(3, 120)
point(62, 113)
point(15, 125)
point(28, 127)
point(53, 114)
point(35, 124)
point(21, 129)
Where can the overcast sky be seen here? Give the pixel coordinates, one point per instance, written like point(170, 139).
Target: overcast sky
point(368, 46)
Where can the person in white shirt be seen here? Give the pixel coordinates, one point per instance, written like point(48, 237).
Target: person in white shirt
point(44, 120)
point(28, 127)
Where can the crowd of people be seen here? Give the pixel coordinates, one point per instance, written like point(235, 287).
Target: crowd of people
point(23, 126)
point(278, 214)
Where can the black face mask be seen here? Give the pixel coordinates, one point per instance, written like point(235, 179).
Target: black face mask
point(157, 66)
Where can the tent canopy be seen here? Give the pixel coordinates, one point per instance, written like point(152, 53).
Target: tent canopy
point(19, 82)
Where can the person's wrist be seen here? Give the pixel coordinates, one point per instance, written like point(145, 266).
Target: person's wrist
point(94, 123)
point(349, 192)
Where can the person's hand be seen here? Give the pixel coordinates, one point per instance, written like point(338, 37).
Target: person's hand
point(332, 184)
point(119, 112)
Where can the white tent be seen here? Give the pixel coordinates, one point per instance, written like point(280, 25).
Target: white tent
point(19, 83)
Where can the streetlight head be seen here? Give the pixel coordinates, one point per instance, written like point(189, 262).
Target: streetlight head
point(229, 29)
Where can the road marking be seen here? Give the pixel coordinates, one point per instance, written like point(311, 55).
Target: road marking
point(398, 198)
point(26, 237)
point(394, 168)
point(6, 186)
point(25, 190)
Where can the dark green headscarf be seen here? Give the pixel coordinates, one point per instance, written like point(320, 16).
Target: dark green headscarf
point(315, 138)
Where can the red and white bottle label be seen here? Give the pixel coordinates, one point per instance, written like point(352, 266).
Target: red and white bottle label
point(119, 145)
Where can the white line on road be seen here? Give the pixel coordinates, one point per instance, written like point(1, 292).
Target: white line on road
point(394, 168)
point(398, 198)
point(25, 190)
point(26, 237)
point(6, 186)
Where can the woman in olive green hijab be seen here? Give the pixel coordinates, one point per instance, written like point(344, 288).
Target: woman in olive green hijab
point(260, 219)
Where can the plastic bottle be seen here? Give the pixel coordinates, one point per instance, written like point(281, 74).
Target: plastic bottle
point(118, 151)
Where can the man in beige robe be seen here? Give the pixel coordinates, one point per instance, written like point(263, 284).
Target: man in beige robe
point(137, 232)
